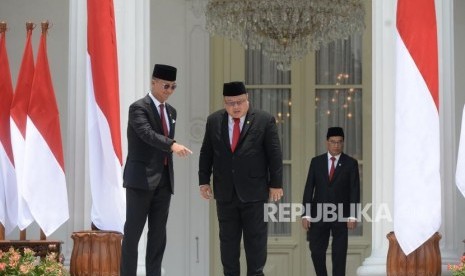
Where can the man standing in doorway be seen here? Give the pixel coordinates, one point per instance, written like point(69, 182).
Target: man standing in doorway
point(332, 183)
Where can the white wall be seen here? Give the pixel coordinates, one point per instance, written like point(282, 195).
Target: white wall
point(459, 83)
point(178, 38)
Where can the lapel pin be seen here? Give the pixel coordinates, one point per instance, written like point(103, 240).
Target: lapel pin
point(248, 122)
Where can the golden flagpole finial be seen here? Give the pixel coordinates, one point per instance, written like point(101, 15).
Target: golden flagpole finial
point(45, 26)
point(2, 27)
point(30, 26)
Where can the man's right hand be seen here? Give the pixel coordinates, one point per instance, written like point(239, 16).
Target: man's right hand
point(180, 150)
point(305, 224)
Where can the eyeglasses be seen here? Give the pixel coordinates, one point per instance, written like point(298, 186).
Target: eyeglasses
point(166, 86)
point(234, 103)
point(335, 143)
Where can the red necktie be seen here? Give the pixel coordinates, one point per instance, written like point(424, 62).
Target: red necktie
point(331, 171)
point(236, 133)
point(163, 124)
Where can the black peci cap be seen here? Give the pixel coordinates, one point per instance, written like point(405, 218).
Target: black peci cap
point(234, 88)
point(164, 72)
point(334, 131)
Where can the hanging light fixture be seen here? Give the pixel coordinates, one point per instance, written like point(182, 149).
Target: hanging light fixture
point(285, 30)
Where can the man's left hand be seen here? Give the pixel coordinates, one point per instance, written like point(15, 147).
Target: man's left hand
point(351, 224)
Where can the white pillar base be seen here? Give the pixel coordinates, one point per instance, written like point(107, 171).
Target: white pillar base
point(375, 265)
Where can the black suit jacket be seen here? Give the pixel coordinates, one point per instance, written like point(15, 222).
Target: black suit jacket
point(254, 167)
point(147, 146)
point(344, 187)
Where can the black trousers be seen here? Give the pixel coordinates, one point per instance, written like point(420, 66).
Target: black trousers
point(318, 237)
point(143, 205)
point(235, 219)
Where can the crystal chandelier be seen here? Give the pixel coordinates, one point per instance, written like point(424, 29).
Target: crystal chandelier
point(285, 30)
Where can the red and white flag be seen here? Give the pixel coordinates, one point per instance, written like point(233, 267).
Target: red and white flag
point(8, 189)
point(103, 119)
point(417, 183)
point(45, 183)
point(18, 118)
point(460, 171)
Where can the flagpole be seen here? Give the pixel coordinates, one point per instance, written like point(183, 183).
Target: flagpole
point(18, 117)
point(45, 27)
point(23, 233)
point(2, 227)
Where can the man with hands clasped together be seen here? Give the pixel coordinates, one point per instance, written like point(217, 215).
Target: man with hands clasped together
point(241, 148)
point(333, 184)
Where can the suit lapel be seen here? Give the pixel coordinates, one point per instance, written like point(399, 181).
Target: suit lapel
point(171, 120)
point(324, 166)
point(225, 130)
point(247, 123)
point(153, 115)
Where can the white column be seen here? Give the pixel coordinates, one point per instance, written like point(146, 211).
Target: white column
point(198, 66)
point(178, 38)
point(383, 132)
point(133, 44)
point(133, 38)
point(452, 202)
point(76, 162)
point(459, 88)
